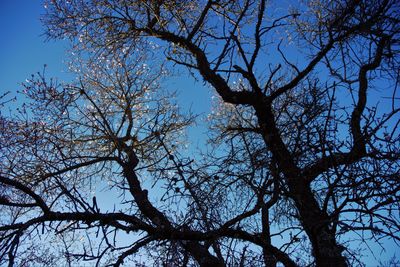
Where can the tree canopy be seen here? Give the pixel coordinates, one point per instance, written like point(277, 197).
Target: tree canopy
point(301, 163)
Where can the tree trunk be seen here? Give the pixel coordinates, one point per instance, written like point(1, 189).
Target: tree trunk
point(202, 255)
point(269, 258)
point(316, 224)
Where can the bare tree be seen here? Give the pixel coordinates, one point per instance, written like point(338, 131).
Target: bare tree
point(302, 163)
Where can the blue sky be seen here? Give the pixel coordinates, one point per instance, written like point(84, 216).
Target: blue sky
point(23, 49)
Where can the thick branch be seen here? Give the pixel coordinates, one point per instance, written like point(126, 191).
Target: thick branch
point(220, 85)
point(358, 150)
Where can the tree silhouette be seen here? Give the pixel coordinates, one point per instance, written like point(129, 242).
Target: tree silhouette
point(302, 162)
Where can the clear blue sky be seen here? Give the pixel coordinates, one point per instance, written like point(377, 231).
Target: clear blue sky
point(24, 50)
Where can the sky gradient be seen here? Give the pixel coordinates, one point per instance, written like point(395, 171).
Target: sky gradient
point(23, 47)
